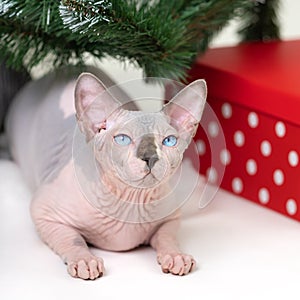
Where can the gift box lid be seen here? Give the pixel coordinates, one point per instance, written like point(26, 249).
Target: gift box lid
point(261, 76)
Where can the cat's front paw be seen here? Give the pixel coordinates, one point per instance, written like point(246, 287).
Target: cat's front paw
point(176, 263)
point(90, 267)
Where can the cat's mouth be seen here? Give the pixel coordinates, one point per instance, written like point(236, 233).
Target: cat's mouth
point(150, 180)
point(147, 181)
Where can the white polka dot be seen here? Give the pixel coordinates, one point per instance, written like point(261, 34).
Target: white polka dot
point(239, 138)
point(213, 129)
point(280, 129)
point(237, 185)
point(251, 167)
point(293, 158)
point(278, 177)
point(291, 207)
point(225, 157)
point(226, 110)
point(253, 120)
point(212, 175)
point(265, 148)
point(201, 147)
point(263, 195)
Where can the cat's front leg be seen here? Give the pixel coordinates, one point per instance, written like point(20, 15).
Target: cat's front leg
point(169, 256)
point(68, 243)
point(72, 248)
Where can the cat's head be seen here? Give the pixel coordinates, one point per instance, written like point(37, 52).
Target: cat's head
point(141, 149)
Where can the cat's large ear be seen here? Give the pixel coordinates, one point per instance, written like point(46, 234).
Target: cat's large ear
point(93, 104)
point(186, 108)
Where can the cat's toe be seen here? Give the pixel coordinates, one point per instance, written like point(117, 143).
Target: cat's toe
point(90, 268)
point(177, 264)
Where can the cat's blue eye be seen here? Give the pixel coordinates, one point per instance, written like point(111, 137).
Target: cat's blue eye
point(122, 139)
point(170, 141)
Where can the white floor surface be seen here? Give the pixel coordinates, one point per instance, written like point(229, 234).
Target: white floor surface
point(243, 251)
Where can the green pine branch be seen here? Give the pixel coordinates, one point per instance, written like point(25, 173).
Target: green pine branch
point(261, 22)
point(161, 36)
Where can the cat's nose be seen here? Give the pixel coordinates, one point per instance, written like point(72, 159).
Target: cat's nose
point(150, 160)
point(147, 150)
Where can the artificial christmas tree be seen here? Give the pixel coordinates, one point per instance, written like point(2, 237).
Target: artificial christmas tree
point(162, 37)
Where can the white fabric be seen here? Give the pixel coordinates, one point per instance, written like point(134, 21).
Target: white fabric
point(243, 251)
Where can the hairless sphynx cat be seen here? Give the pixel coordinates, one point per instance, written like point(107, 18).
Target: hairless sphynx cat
point(134, 154)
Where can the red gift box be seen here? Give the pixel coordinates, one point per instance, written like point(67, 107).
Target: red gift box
point(254, 90)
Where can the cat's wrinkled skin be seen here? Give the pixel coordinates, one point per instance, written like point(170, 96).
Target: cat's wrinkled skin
point(40, 128)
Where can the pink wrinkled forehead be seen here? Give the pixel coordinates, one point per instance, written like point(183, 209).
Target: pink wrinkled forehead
point(143, 123)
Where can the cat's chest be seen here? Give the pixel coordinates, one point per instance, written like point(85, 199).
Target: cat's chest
point(111, 234)
point(100, 223)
